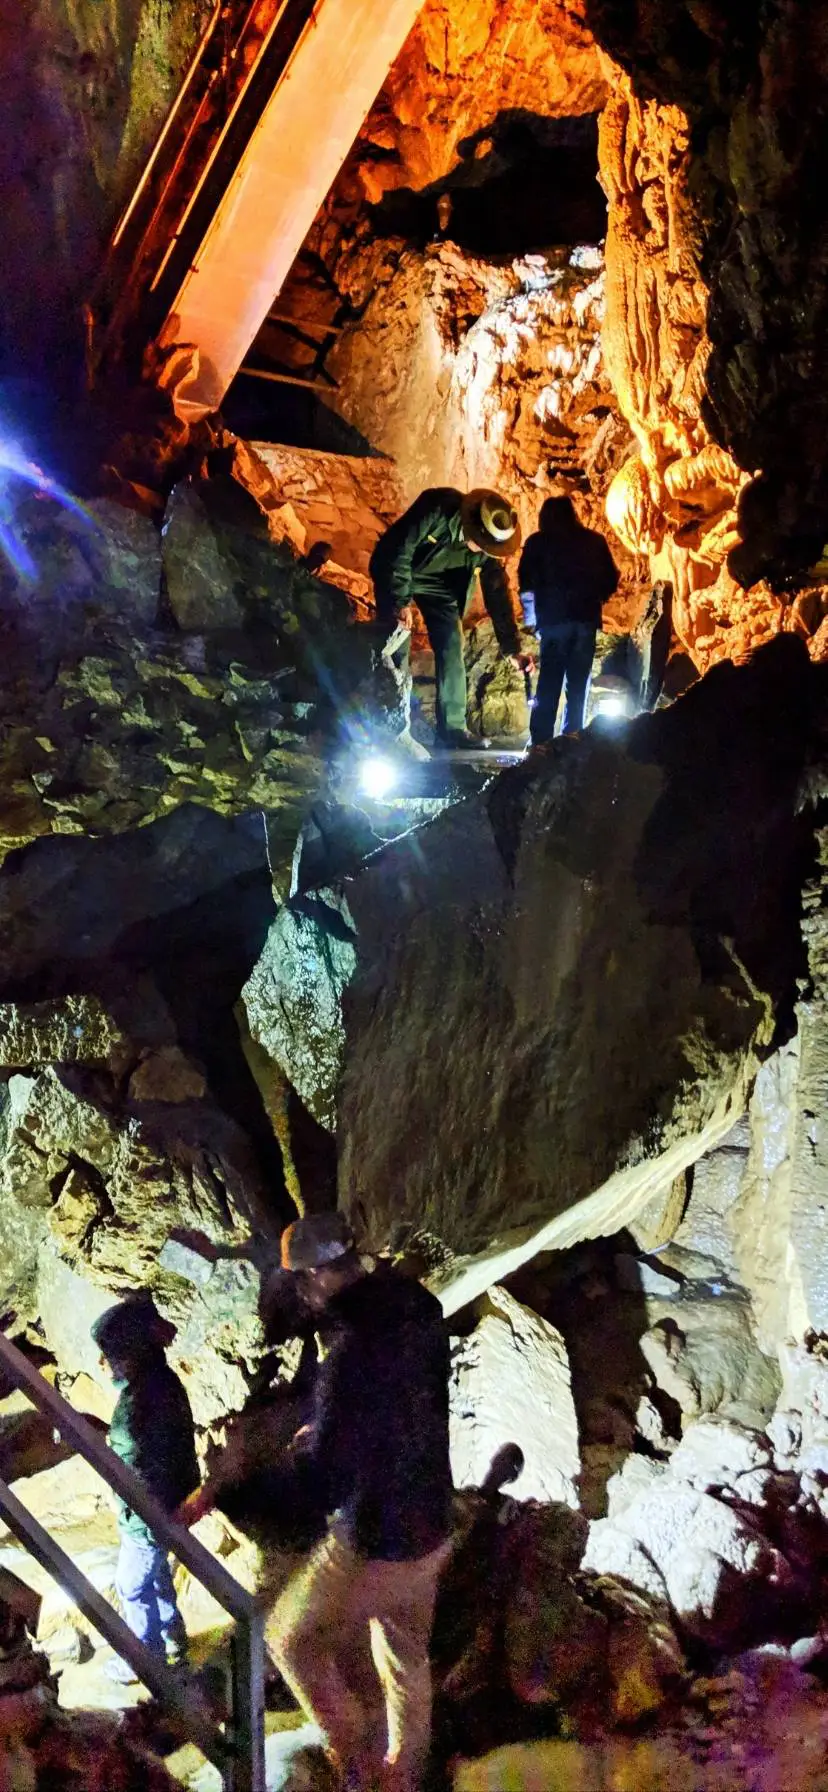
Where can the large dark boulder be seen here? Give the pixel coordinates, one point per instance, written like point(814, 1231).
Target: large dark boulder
point(545, 1004)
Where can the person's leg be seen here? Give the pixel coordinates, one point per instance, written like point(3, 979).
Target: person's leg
point(173, 1631)
point(580, 654)
point(318, 1635)
point(135, 1579)
point(550, 685)
point(446, 636)
point(405, 1597)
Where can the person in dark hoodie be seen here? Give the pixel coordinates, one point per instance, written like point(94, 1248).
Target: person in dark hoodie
point(351, 1631)
point(152, 1431)
point(566, 574)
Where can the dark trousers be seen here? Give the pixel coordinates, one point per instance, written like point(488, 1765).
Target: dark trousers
point(567, 652)
point(443, 620)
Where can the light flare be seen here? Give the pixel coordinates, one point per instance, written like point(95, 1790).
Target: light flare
point(14, 465)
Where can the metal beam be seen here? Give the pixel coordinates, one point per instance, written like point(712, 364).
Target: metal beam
point(287, 379)
point(172, 1692)
point(293, 155)
point(74, 1428)
point(240, 1754)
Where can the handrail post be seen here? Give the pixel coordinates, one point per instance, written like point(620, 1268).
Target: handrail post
point(245, 1769)
point(240, 1754)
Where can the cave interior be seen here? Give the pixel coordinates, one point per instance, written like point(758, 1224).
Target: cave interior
point(556, 249)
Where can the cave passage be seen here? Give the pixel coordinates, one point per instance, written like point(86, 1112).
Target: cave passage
point(523, 185)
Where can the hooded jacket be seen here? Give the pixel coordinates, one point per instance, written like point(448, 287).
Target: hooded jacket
point(565, 575)
point(152, 1431)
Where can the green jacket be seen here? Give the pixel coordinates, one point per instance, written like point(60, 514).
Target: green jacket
point(152, 1431)
point(423, 559)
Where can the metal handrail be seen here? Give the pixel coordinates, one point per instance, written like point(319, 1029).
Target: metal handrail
point(238, 1752)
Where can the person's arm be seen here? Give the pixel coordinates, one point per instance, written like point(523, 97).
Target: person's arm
point(611, 573)
point(318, 1455)
point(426, 515)
point(526, 587)
point(499, 605)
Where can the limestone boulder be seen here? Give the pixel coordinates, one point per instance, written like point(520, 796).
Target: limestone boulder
point(646, 1664)
point(510, 1383)
point(709, 1532)
point(693, 1550)
point(110, 1186)
point(715, 1454)
point(293, 1000)
point(509, 1073)
point(555, 1646)
point(74, 564)
point(68, 1305)
point(71, 1030)
point(702, 1353)
point(199, 583)
point(115, 716)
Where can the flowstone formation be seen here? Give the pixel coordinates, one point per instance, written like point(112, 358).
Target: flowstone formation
point(715, 291)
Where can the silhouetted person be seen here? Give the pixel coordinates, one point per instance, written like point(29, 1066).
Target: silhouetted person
point(566, 574)
point(654, 636)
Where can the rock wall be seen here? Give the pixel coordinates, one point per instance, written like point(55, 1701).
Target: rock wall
point(508, 1038)
point(84, 92)
point(338, 499)
point(147, 670)
point(472, 374)
point(710, 149)
point(465, 62)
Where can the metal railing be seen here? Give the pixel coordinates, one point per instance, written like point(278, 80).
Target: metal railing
point(238, 1749)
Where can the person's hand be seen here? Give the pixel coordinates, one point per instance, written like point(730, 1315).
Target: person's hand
point(195, 1506)
point(525, 662)
point(405, 618)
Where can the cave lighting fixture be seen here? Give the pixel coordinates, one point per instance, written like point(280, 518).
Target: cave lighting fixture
point(613, 708)
point(377, 777)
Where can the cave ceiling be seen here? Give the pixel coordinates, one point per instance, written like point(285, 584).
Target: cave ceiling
point(712, 145)
point(713, 153)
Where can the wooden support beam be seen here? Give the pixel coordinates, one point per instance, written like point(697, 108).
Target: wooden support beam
point(294, 152)
point(304, 324)
point(288, 379)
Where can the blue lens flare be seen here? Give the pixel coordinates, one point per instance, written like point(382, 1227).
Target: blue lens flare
point(14, 465)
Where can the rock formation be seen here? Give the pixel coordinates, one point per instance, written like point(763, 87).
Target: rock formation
point(548, 915)
point(142, 672)
point(84, 95)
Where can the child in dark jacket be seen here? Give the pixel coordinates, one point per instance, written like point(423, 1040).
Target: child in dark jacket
point(151, 1431)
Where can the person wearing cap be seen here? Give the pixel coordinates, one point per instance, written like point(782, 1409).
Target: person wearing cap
point(350, 1633)
point(566, 574)
point(431, 557)
point(152, 1431)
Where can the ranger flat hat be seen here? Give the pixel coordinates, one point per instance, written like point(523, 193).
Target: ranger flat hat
point(490, 522)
